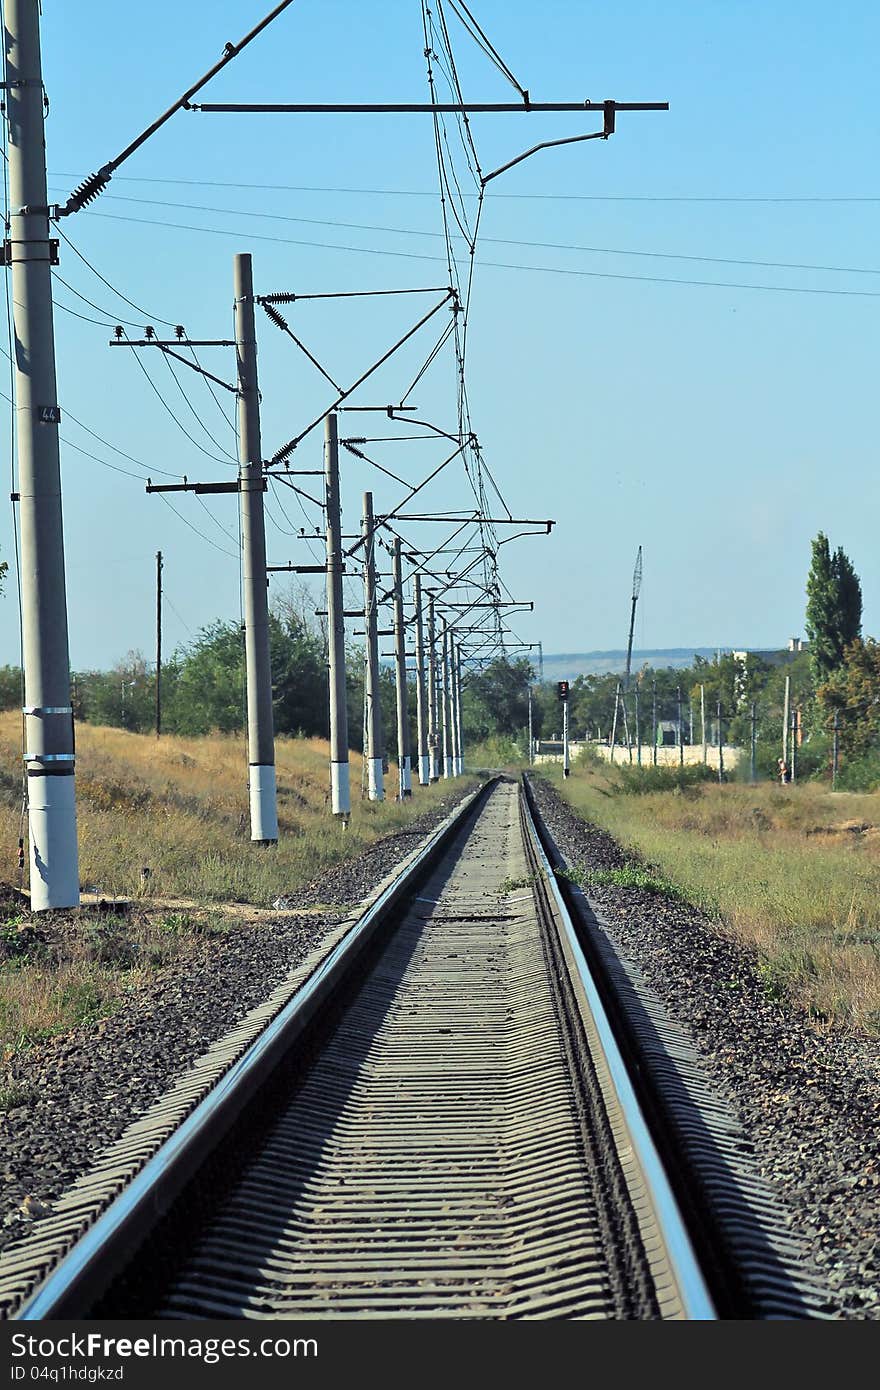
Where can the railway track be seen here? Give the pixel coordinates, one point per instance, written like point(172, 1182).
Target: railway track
point(437, 1123)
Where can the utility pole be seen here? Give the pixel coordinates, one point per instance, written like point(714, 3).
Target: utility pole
point(459, 727)
point(433, 730)
point(638, 729)
point(835, 750)
point(654, 723)
point(421, 690)
point(261, 734)
point(340, 778)
point(531, 738)
point(703, 723)
point(794, 745)
point(373, 750)
point(786, 705)
point(720, 746)
point(158, 643)
point(404, 772)
point(680, 727)
point(566, 759)
point(48, 716)
point(445, 703)
point(753, 765)
point(614, 720)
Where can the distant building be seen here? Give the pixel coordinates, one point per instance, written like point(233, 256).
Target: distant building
point(774, 656)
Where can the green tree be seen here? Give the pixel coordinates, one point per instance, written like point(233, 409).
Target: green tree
point(834, 608)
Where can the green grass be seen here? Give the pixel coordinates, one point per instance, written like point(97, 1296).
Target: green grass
point(628, 876)
point(793, 871)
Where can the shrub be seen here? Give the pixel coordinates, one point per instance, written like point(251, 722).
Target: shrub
point(637, 781)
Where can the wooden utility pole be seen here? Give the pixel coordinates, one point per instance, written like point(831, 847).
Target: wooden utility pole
point(158, 643)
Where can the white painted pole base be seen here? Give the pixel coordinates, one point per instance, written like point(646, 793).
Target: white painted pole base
point(340, 789)
point(447, 767)
point(424, 770)
point(435, 768)
point(404, 779)
point(264, 803)
point(375, 780)
point(459, 765)
point(53, 849)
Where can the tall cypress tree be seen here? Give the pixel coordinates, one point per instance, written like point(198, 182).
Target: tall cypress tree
point(849, 598)
point(834, 608)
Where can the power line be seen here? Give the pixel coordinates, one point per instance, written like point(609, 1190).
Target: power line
point(498, 241)
point(499, 265)
point(150, 318)
point(555, 197)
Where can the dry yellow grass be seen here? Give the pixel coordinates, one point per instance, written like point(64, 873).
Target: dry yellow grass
point(793, 871)
point(179, 807)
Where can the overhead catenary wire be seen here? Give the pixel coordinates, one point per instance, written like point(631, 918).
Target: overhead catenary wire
point(783, 199)
point(698, 258)
point(568, 271)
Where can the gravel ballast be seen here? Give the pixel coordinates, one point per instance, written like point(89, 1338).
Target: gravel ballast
point(809, 1100)
point(84, 1088)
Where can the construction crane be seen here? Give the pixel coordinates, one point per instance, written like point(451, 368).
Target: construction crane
point(637, 584)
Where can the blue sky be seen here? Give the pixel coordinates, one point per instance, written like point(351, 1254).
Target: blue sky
point(718, 427)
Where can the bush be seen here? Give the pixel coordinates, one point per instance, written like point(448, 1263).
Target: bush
point(862, 775)
point(637, 781)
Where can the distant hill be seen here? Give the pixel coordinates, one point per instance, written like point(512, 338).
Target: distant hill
point(570, 665)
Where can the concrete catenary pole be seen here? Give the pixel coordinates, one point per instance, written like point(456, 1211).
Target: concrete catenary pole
point(703, 722)
point(638, 727)
point(786, 706)
point(680, 726)
point(566, 759)
point(445, 703)
point(48, 717)
point(459, 723)
point(421, 687)
point(261, 734)
point(404, 767)
point(158, 643)
point(531, 735)
point(340, 781)
point(433, 722)
point(614, 721)
point(373, 750)
point(453, 704)
point(653, 723)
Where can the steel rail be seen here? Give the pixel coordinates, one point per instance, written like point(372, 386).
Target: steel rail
point(80, 1280)
point(83, 1275)
point(693, 1292)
